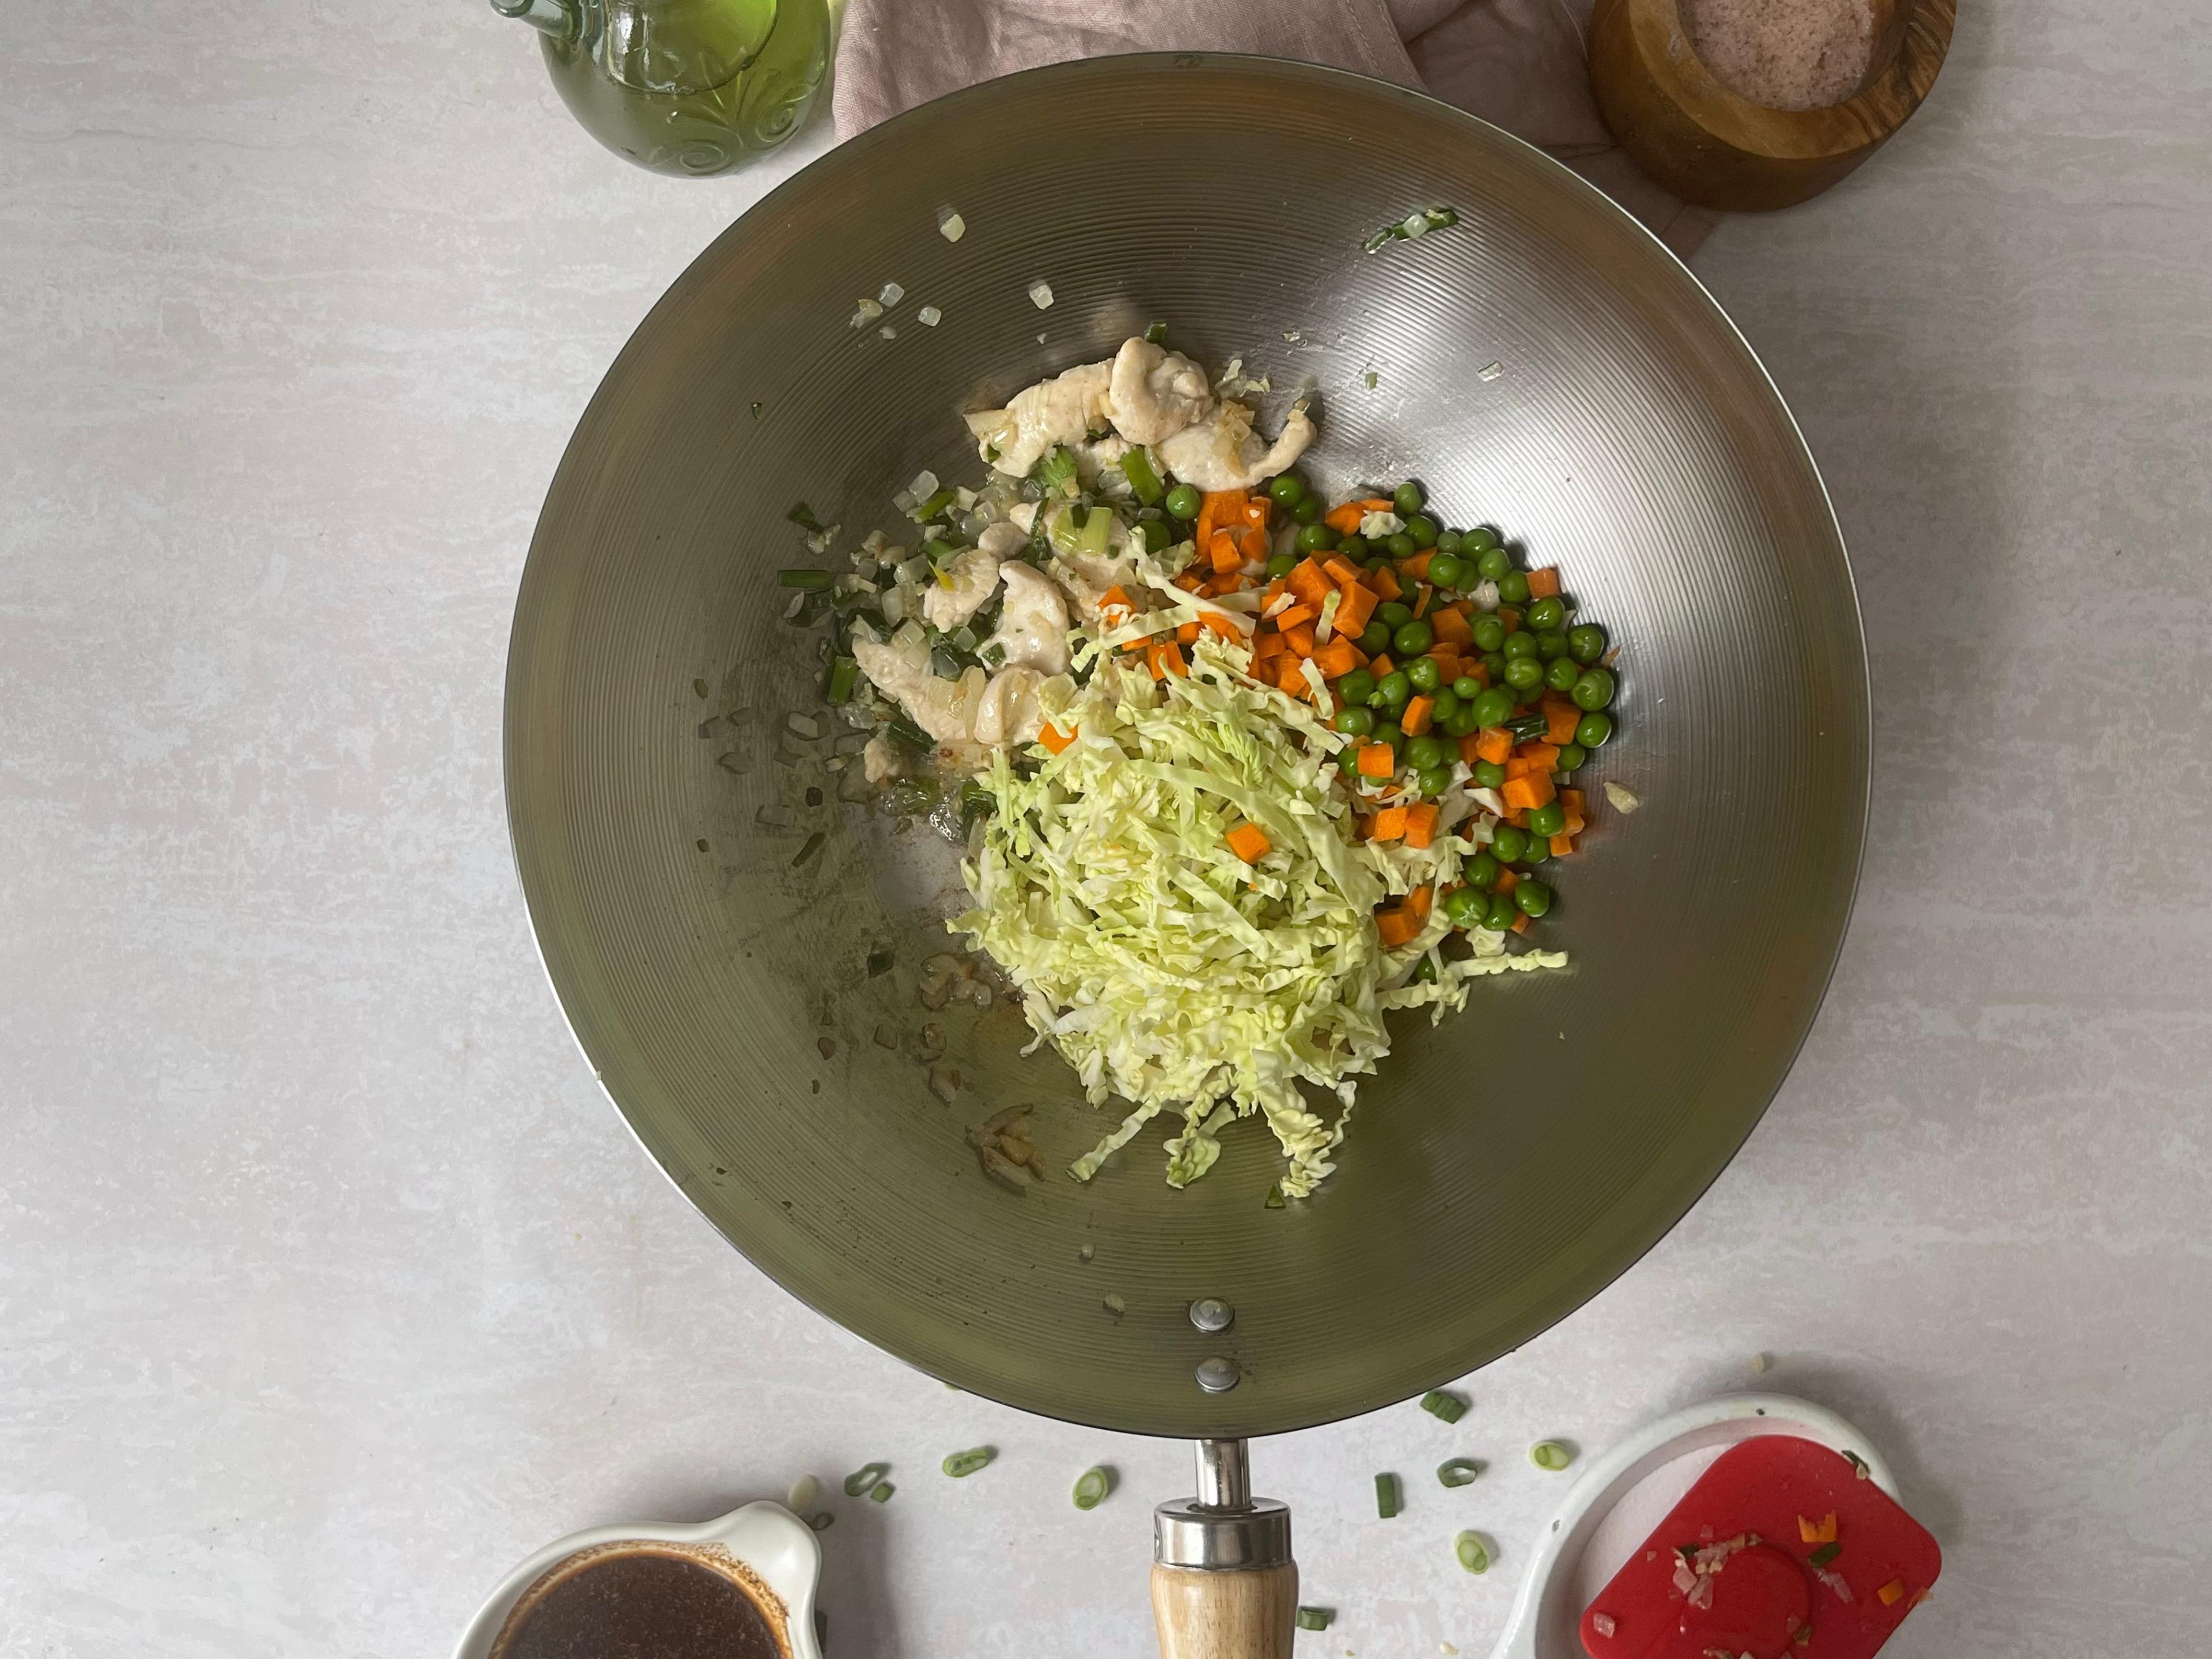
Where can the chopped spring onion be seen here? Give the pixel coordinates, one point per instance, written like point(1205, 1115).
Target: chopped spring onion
point(822, 1521)
point(1056, 471)
point(803, 516)
point(1473, 1555)
point(1826, 1553)
point(1041, 295)
point(1859, 1466)
point(864, 1478)
point(881, 1492)
point(1315, 1618)
point(937, 502)
point(929, 316)
point(806, 576)
point(1448, 1407)
point(879, 963)
point(1458, 1472)
point(1386, 1495)
point(1091, 1488)
point(1419, 222)
point(1274, 1199)
point(961, 1464)
point(1156, 333)
point(812, 846)
point(1550, 1454)
point(950, 225)
point(1144, 478)
point(844, 674)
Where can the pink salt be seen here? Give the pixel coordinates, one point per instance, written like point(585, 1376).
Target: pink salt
point(1783, 54)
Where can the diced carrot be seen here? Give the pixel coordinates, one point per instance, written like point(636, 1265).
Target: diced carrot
point(1221, 625)
point(1384, 583)
point(1275, 590)
point(1256, 512)
point(1447, 662)
point(1187, 633)
point(1561, 719)
point(1421, 824)
point(1265, 645)
point(1377, 504)
point(1166, 658)
point(1228, 505)
point(1475, 672)
point(1254, 541)
point(1363, 826)
point(1576, 804)
point(1510, 616)
point(1291, 675)
point(1421, 603)
point(1526, 793)
point(1223, 553)
point(1115, 606)
point(1418, 566)
point(1451, 625)
point(1562, 844)
point(1345, 520)
point(1310, 582)
point(1544, 584)
point(1396, 928)
point(1378, 760)
point(1190, 581)
point(1421, 900)
point(1521, 924)
point(1507, 880)
point(1356, 609)
point(1517, 817)
point(1359, 659)
point(1469, 750)
point(1300, 639)
point(1541, 756)
point(1494, 743)
point(1460, 608)
point(1052, 738)
point(1390, 823)
point(1891, 1593)
point(1381, 665)
point(1518, 766)
point(1415, 721)
point(1341, 570)
point(1336, 659)
point(1250, 842)
point(1286, 620)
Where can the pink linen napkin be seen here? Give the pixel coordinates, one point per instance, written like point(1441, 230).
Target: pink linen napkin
point(1519, 63)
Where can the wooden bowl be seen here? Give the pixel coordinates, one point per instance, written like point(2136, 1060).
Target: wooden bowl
point(1713, 146)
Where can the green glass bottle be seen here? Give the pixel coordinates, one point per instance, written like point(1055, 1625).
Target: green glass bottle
point(691, 87)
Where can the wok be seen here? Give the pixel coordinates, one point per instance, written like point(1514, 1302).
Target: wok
point(1544, 366)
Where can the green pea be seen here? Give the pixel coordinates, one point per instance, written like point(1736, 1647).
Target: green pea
point(1348, 760)
point(1445, 571)
point(1154, 534)
point(1593, 692)
point(1549, 820)
point(1545, 614)
point(1482, 871)
point(1494, 563)
point(1356, 687)
point(1374, 638)
point(1401, 546)
point(1394, 614)
point(1387, 732)
point(1435, 779)
point(1488, 774)
point(1561, 672)
point(1354, 548)
point(1461, 722)
point(1463, 905)
point(1509, 843)
point(1408, 499)
point(1416, 636)
point(1513, 588)
point(1479, 540)
point(1592, 730)
point(1424, 750)
point(1489, 632)
point(1572, 756)
point(1355, 722)
point(1308, 510)
point(1586, 643)
point(1287, 489)
point(1422, 529)
point(1502, 913)
point(1183, 502)
point(1524, 673)
point(1315, 539)
point(1466, 688)
point(1424, 672)
point(1518, 645)
point(1539, 850)
point(1393, 687)
point(1448, 541)
point(1551, 644)
point(1532, 898)
point(1281, 564)
point(1493, 664)
point(1446, 699)
point(1494, 706)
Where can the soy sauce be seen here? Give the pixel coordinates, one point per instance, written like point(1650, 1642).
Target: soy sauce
point(640, 1604)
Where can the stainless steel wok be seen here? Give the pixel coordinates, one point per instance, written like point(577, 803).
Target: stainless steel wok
point(1544, 366)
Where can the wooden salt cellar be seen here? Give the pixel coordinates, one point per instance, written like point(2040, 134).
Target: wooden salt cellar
point(1707, 143)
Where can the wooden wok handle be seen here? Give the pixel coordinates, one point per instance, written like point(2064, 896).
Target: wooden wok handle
point(1243, 1614)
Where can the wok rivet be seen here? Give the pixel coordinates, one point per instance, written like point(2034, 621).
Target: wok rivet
point(1211, 1313)
point(1218, 1375)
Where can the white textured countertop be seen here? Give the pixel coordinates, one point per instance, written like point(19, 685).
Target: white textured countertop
point(330, 1286)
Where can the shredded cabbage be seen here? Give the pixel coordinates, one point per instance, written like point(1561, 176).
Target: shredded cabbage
point(1162, 966)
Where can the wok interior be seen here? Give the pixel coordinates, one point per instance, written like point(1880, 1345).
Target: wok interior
point(1506, 1164)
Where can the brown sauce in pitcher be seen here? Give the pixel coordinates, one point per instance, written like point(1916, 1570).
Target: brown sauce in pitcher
point(639, 1602)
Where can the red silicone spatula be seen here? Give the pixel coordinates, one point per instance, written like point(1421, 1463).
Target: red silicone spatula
point(1782, 1550)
